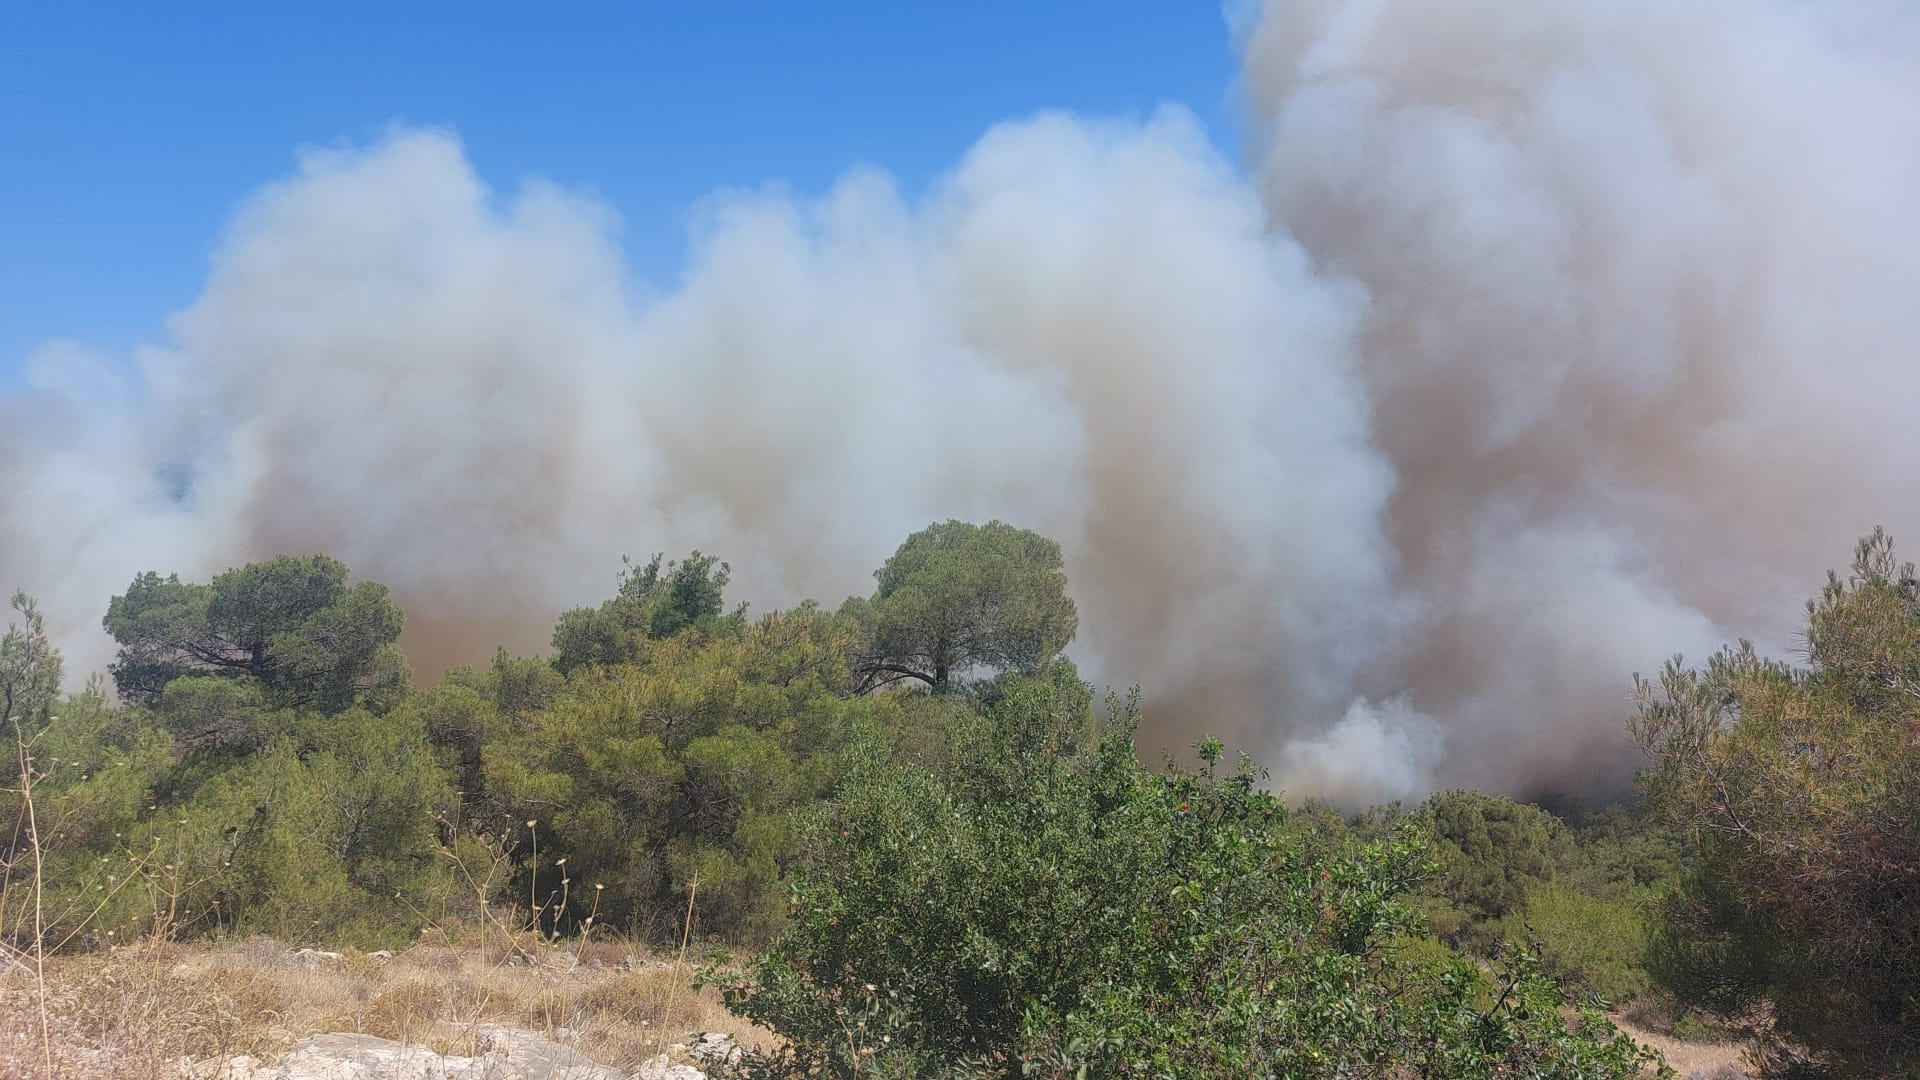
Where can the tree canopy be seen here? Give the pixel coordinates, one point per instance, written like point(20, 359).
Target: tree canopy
point(649, 604)
point(957, 597)
point(291, 624)
point(1801, 788)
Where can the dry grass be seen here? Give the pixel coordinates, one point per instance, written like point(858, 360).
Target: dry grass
point(1718, 1060)
point(149, 1008)
point(139, 1011)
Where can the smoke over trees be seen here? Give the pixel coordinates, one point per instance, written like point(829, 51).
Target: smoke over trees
point(1528, 348)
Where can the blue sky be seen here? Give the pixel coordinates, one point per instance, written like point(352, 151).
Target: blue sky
point(129, 131)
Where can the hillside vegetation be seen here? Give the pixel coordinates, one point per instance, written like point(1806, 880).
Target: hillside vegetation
point(934, 854)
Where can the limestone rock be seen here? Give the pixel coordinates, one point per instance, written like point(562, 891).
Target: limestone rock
point(525, 1055)
point(343, 1056)
point(663, 1068)
point(714, 1048)
point(511, 1054)
point(314, 957)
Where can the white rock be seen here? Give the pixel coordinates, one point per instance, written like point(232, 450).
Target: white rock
point(715, 1047)
point(314, 957)
point(511, 1054)
point(663, 1068)
point(342, 1056)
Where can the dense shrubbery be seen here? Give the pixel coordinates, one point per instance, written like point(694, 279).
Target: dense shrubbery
point(273, 771)
point(311, 834)
point(1043, 905)
point(958, 868)
point(685, 761)
point(1581, 896)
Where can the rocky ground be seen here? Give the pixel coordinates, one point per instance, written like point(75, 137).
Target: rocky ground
point(260, 1011)
point(510, 1054)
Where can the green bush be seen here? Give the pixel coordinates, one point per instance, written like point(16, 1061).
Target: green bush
point(1492, 851)
point(1692, 1029)
point(1042, 905)
point(1594, 947)
point(683, 762)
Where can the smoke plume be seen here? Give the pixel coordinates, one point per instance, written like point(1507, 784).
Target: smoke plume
point(1530, 346)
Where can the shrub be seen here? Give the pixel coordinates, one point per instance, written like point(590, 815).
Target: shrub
point(1691, 1028)
point(1044, 906)
point(685, 761)
point(1492, 851)
point(1594, 947)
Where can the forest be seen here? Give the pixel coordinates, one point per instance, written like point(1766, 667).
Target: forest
point(919, 843)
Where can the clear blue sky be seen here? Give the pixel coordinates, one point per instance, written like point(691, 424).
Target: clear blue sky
point(128, 131)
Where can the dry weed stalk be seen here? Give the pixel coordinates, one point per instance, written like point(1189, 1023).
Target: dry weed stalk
point(24, 753)
point(680, 961)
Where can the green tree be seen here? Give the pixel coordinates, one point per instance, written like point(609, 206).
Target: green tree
point(1801, 789)
point(1593, 946)
point(29, 669)
point(649, 604)
point(209, 712)
point(291, 624)
point(1492, 852)
point(460, 720)
point(957, 597)
point(1042, 905)
point(290, 822)
point(685, 759)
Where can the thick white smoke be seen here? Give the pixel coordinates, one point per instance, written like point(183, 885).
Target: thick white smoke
point(1642, 336)
point(1087, 329)
point(1543, 343)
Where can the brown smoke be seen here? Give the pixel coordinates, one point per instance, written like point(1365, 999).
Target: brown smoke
point(1543, 343)
point(1641, 341)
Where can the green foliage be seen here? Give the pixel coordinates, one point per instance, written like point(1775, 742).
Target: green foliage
point(292, 625)
point(94, 772)
point(1692, 1029)
point(685, 760)
point(1594, 947)
point(29, 669)
point(1492, 851)
point(957, 597)
point(1801, 788)
point(217, 714)
point(309, 838)
point(215, 805)
point(1513, 872)
point(648, 605)
point(459, 720)
point(1041, 905)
